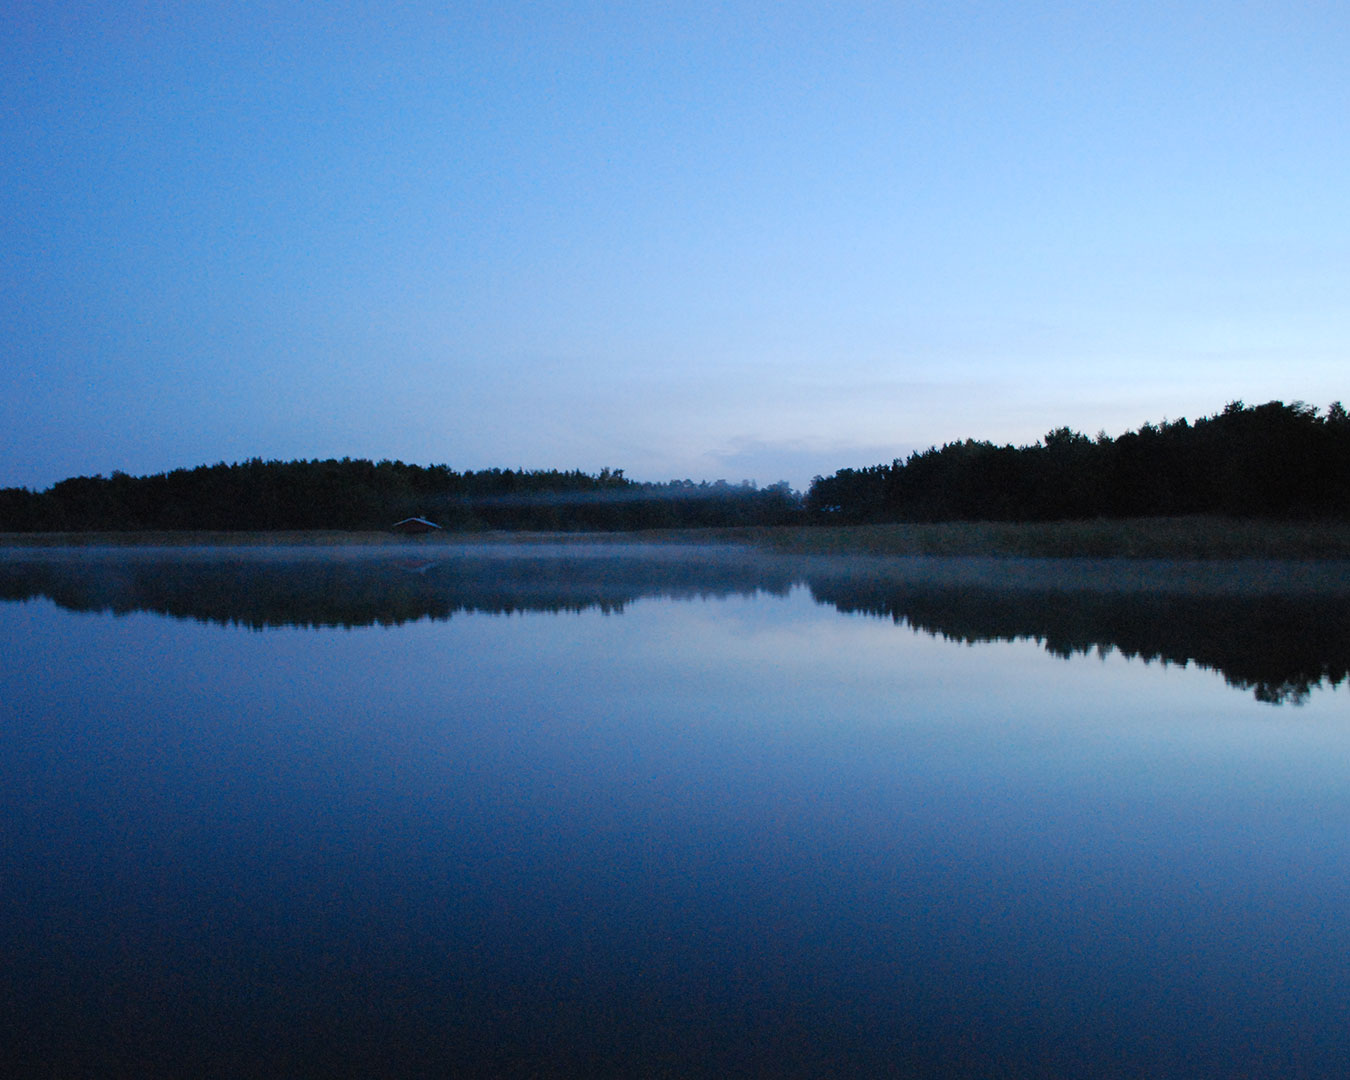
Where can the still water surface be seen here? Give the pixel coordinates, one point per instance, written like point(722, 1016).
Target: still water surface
point(652, 812)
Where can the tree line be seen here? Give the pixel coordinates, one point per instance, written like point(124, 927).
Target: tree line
point(1262, 461)
point(357, 494)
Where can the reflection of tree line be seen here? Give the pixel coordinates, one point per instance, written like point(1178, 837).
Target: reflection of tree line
point(336, 593)
point(1279, 646)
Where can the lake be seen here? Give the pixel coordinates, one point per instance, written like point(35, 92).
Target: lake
point(549, 810)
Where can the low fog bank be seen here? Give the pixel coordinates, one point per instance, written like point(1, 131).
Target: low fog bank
point(393, 551)
point(1278, 629)
point(1182, 576)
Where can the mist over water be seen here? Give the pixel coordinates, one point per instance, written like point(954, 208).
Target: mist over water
point(1281, 629)
point(656, 811)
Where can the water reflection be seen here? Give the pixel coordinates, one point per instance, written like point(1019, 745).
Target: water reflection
point(365, 587)
point(755, 837)
point(1281, 647)
point(1277, 630)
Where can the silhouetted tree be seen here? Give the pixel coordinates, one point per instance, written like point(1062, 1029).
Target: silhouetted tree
point(1272, 460)
point(361, 494)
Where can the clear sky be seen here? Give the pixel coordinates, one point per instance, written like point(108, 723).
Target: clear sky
point(684, 239)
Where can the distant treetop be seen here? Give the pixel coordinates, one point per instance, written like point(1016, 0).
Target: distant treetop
point(357, 494)
point(1272, 460)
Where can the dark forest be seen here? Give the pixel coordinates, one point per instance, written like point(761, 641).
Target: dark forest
point(350, 494)
point(1263, 461)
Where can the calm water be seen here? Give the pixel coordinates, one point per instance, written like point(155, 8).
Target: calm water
point(653, 813)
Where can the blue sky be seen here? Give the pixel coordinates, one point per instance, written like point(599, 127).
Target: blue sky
point(709, 240)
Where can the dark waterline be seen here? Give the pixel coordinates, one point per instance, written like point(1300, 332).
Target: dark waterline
point(668, 818)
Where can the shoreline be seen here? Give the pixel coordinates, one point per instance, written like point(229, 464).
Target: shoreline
point(1131, 538)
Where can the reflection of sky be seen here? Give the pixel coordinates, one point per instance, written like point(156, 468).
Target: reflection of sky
point(756, 810)
point(681, 241)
